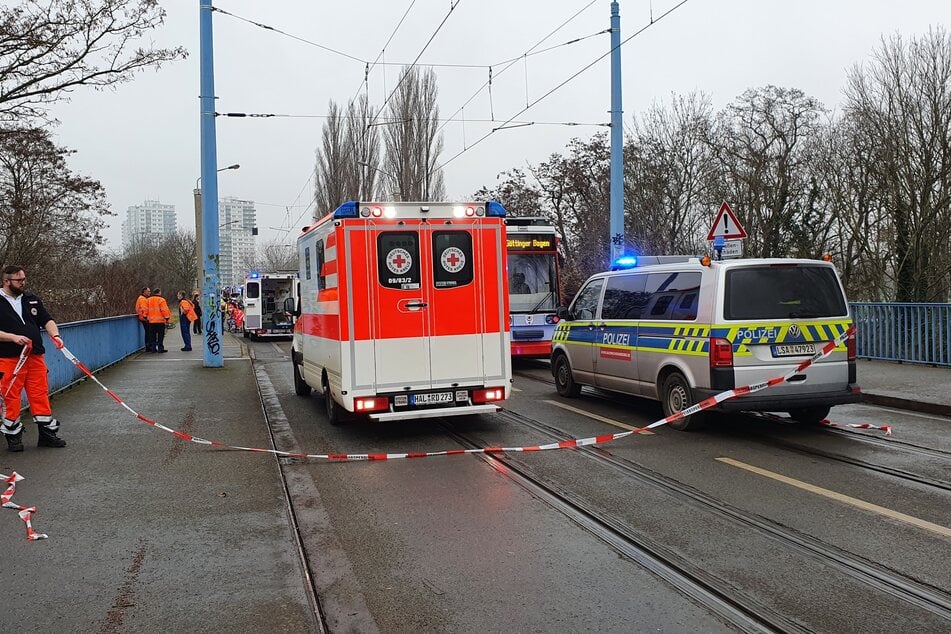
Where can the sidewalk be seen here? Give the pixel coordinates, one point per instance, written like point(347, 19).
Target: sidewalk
point(146, 531)
point(908, 386)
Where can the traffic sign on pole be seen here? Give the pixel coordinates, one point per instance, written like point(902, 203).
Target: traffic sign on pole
point(726, 225)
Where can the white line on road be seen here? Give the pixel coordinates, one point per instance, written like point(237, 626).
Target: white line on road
point(609, 421)
point(845, 499)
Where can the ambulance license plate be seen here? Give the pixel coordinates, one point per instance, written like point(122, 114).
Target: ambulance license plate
point(794, 350)
point(432, 398)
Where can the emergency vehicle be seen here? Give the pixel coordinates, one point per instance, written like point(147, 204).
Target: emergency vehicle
point(404, 310)
point(534, 284)
point(270, 302)
point(682, 332)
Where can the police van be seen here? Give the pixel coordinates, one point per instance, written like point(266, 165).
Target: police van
point(681, 332)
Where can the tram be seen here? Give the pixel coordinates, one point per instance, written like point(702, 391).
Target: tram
point(534, 284)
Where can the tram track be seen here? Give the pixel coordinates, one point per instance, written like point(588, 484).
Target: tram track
point(897, 585)
point(765, 439)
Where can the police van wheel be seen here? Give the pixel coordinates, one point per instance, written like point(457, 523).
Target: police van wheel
point(810, 415)
point(300, 386)
point(564, 381)
point(676, 396)
point(334, 414)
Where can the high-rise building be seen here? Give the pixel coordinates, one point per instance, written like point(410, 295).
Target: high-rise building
point(148, 223)
point(236, 239)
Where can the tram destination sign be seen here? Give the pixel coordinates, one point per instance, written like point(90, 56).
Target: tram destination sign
point(530, 242)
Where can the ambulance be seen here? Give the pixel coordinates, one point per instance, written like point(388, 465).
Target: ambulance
point(680, 332)
point(270, 301)
point(404, 310)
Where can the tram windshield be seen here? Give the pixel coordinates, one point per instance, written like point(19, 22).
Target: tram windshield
point(533, 282)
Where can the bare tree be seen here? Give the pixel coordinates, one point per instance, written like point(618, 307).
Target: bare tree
point(363, 146)
point(274, 256)
point(411, 139)
point(49, 47)
point(332, 163)
point(519, 196)
point(900, 103)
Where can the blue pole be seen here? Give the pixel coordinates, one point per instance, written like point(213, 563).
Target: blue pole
point(617, 139)
point(211, 289)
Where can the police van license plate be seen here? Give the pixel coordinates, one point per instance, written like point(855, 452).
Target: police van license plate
point(433, 398)
point(794, 350)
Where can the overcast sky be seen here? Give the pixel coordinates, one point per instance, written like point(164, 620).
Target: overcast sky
point(142, 139)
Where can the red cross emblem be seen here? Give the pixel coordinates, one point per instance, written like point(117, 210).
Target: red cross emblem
point(453, 259)
point(399, 261)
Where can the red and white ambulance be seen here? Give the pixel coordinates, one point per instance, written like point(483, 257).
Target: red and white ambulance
point(404, 310)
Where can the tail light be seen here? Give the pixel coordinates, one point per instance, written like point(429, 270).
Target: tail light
point(721, 353)
point(488, 395)
point(552, 319)
point(374, 404)
point(850, 346)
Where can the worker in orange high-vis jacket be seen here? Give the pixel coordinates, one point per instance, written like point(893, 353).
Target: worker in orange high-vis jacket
point(159, 316)
point(22, 315)
point(186, 315)
point(142, 311)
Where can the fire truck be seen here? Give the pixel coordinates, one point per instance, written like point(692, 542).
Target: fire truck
point(270, 302)
point(404, 310)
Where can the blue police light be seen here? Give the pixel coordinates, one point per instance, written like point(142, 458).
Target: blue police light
point(347, 210)
point(493, 208)
point(624, 262)
point(255, 275)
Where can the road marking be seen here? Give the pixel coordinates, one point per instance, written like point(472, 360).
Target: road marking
point(609, 421)
point(845, 499)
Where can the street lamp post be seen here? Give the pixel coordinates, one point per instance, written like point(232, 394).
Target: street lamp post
point(200, 274)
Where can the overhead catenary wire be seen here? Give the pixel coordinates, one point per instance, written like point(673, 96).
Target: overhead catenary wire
point(562, 84)
point(369, 66)
point(385, 120)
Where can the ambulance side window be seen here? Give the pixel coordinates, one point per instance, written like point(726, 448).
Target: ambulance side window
point(452, 258)
point(585, 305)
point(319, 256)
point(307, 262)
point(624, 297)
point(398, 259)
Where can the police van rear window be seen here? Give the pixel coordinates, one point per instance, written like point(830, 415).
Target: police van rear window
point(783, 292)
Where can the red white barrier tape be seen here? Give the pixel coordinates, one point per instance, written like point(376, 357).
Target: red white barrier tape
point(16, 370)
point(885, 428)
point(564, 444)
point(25, 512)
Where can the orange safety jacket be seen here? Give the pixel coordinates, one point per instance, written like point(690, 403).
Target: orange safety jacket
point(187, 309)
point(142, 307)
point(158, 310)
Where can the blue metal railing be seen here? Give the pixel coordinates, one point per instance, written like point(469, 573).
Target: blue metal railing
point(910, 333)
point(96, 342)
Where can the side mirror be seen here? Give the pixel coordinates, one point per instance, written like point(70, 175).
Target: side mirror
point(563, 313)
point(290, 305)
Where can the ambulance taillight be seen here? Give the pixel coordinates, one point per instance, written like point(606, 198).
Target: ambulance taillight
point(721, 353)
point(488, 395)
point(374, 404)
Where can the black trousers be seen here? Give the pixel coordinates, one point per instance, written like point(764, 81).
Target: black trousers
point(157, 341)
point(196, 326)
point(147, 331)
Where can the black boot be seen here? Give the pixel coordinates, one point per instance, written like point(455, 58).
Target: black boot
point(14, 441)
point(48, 437)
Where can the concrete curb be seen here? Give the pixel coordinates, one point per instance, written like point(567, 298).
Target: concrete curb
point(906, 403)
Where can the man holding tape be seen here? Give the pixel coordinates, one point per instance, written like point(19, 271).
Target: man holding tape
point(22, 315)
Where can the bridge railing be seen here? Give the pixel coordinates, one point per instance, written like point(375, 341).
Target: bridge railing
point(98, 343)
point(905, 332)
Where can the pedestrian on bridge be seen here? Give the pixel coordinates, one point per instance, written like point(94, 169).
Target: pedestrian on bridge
point(22, 315)
point(186, 315)
point(196, 304)
point(159, 316)
point(142, 310)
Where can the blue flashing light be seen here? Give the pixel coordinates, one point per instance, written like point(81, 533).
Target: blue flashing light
point(719, 242)
point(625, 262)
point(349, 209)
point(255, 275)
point(493, 208)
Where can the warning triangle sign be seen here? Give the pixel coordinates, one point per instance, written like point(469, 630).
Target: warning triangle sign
point(726, 225)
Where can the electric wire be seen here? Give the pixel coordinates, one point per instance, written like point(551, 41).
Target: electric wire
point(370, 67)
point(563, 83)
point(385, 120)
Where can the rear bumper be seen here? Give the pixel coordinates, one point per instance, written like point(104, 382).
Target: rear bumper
point(540, 349)
point(784, 402)
point(435, 413)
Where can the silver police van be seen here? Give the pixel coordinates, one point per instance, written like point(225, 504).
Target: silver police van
point(681, 332)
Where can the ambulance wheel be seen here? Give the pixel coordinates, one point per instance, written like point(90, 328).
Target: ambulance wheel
point(676, 395)
point(334, 414)
point(810, 415)
point(300, 385)
point(564, 381)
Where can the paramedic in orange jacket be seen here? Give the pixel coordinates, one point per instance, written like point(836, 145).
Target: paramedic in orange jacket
point(159, 316)
point(142, 310)
point(186, 315)
point(22, 315)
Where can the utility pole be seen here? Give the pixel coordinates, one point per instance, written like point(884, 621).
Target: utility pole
point(617, 139)
point(213, 353)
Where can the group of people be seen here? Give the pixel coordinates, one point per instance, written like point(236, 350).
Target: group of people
point(154, 315)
